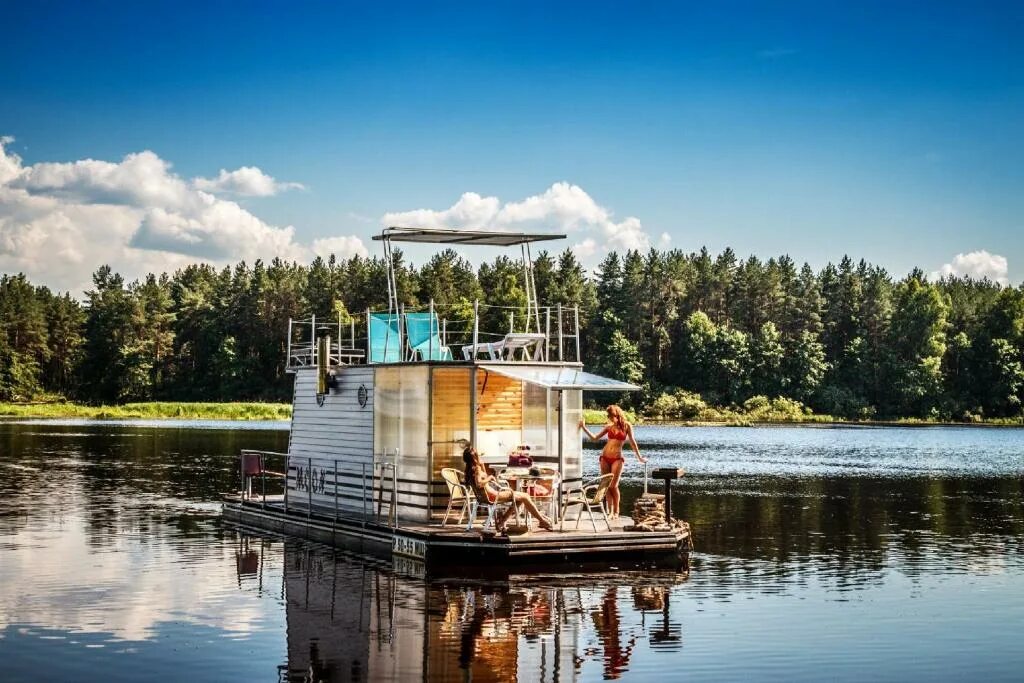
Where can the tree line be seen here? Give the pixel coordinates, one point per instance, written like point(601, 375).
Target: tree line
point(695, 330)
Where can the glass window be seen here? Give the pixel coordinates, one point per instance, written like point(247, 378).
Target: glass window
point(401, 407)
point(535, 422)
point(572, 440)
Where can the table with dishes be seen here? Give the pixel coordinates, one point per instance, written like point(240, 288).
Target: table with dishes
point(538, 484)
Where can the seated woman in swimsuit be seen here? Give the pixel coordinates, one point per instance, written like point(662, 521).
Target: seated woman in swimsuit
point(485, 487)
point(618, 432)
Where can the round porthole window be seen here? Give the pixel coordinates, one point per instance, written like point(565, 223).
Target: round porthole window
point(362, 396)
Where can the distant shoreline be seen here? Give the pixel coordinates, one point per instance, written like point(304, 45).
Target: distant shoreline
point(158, 410)
point(597, 417)
point(183, 410)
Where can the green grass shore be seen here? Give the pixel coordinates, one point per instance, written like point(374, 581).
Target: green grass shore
point(169, 410)
point(156, 410)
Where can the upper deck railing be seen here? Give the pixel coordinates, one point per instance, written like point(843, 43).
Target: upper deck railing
point(549, 334)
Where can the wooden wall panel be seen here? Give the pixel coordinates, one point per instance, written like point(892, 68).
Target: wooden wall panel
point(499, 402)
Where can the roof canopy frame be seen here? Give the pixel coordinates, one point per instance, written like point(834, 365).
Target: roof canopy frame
point(493, 238)
point(451, 236)
point(558, 378)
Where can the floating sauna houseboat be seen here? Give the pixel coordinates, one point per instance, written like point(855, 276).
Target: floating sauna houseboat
point(378, 417)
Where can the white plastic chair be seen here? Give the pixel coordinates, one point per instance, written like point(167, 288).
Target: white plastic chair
point(552, 479)
point(589, 497)
point(477, 501)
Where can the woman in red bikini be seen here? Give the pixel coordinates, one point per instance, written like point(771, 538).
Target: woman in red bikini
point(618, 432)
point(485, 487)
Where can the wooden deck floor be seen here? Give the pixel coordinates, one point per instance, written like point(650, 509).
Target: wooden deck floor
point(452, 543)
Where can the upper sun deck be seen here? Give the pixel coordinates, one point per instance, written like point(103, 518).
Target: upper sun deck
point(450, 333)
point(546, 335)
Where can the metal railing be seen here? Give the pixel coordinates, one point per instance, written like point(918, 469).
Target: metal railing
point(317, 486)
point(302, 349)
point(546, 334)
point(254, 464)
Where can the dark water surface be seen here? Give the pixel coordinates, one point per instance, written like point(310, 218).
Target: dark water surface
point(822, 554)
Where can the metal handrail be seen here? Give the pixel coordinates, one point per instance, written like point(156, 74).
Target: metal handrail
point(369, 486)
point(263, 472)
point(560, 326)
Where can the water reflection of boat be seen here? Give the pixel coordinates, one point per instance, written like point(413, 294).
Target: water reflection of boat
point(377, 418)
point(353, 617)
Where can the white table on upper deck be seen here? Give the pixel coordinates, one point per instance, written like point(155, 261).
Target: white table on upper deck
point(529, 342)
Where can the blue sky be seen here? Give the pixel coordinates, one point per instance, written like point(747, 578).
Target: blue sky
point(893, 133)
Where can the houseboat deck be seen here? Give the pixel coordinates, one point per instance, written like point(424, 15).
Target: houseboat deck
point(449, 544)
point(382, 423)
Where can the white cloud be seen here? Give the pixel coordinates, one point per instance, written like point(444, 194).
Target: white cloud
point(470, 212)
point(976, 264)
point(585, 249)
point(247, 181)
point(562, 207)
point(61, 221)
point(139, 180)
point(345, 246)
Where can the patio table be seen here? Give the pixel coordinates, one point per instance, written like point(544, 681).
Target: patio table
point(520, 479)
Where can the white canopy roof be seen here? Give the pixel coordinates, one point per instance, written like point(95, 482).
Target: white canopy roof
point(558, 377)
point(452, 236)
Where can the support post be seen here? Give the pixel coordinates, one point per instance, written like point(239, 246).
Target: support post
point(309, 486)
point(403, 335)
point(576, 317)
point(335, 493)
point(312, 341)
point(287, 469)
point(476, 329)
point(561, 453)
point(288, 361)
point(369, 347)
point(430, 327)
point(430, 440)
point(394, 492)
point(364, 494)
point(472, 406)
point(351, 332)
point(241, 470)
point(263, 480)
point(547, 334)
point(560, 357)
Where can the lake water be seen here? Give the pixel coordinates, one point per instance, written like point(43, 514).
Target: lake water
point(849, 554)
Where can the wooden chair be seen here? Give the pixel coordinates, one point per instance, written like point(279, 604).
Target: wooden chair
point(458, 494)
point(589, 497)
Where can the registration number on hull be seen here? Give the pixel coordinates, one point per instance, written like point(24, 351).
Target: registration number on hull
point(409, 547)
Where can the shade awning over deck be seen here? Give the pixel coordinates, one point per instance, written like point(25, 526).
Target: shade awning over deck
point(494, 238)
point(559, 378)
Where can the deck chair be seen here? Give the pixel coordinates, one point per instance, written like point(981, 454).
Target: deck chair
point(492, 509)
point(552, 479)
point(424, 336)
point(458, 494)
point(385, 338)
point(590, 497)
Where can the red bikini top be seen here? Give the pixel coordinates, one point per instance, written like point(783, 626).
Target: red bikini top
point(617, 434)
